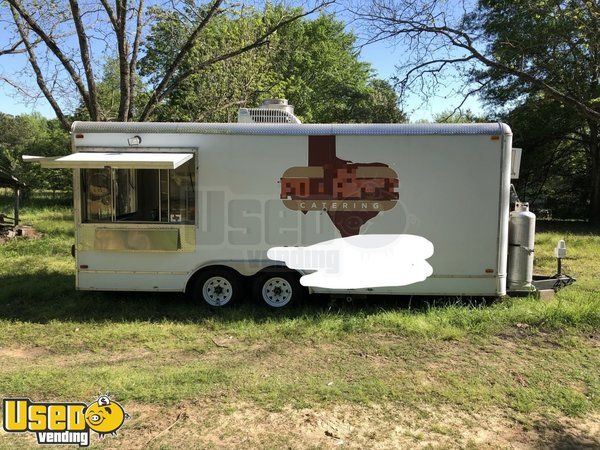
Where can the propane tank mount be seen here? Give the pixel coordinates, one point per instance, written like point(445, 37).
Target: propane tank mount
point(521, 242)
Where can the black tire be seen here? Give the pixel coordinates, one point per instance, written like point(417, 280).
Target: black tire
point(284, 287)
point(218, 287)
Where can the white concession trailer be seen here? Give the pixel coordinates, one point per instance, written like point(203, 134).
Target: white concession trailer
point(196, 207)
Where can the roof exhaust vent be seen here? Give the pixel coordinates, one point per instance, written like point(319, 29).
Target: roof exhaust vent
point(273, 110)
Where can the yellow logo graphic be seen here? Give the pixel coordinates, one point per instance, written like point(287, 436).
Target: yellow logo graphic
point(63, 423)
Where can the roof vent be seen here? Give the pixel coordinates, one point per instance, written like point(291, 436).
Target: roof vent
point(274, 110)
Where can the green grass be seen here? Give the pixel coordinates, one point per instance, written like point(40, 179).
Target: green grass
point(519, 356)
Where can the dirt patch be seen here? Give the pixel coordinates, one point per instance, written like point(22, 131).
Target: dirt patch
point(18, 232)
point(22, 353)
point(19, 357)
point(202, 425)
point(236, 416)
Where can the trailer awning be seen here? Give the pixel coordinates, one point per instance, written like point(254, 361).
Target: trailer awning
point(117, 160)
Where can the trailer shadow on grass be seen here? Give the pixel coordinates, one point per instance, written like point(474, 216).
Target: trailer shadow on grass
point(52, 297)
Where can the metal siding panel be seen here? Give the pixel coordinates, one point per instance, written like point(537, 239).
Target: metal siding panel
point(441, 180)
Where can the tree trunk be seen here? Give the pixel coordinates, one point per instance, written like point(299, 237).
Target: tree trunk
point(123, 49)
point(595, 173)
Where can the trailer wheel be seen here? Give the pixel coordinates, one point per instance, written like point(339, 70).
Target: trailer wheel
point(278, 289)
point(218, 287)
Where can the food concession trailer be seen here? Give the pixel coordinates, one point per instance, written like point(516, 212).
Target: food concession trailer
point(196, 207)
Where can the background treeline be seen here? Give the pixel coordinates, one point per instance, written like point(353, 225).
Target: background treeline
point(33, 134)
point(555, 163)
point(535, 65)
point(312, 63)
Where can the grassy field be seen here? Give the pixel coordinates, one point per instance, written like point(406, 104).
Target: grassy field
point(381, 372)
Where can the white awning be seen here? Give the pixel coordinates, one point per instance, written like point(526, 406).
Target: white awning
point(116, 160)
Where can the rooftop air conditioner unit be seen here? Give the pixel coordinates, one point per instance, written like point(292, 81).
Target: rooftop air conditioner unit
point(271, 111)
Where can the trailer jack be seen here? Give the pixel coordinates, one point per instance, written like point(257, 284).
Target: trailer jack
point(559, 280)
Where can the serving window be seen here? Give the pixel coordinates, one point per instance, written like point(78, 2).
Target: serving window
point(139, 195)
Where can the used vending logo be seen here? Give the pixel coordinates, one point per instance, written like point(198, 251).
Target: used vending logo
point(63, 423)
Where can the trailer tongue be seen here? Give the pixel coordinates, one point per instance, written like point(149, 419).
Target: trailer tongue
point(521, 242)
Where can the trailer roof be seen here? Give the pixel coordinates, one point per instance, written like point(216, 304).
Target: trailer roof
point(293, 129)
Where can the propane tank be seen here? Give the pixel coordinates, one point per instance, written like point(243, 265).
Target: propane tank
point(521, 239)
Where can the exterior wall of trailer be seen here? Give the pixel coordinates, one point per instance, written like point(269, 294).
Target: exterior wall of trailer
point(453, 190)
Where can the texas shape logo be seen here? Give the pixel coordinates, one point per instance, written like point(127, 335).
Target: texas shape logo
point(351, 193)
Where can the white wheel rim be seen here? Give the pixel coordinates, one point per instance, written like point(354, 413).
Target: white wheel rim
point(277, 292)
point(217, 291)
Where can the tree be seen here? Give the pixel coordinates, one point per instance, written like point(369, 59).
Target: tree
point(312, 63)
point(215, 94)
point(33, 134)
point(555, 168)
point(319, 71)
point(109, 94)
point(507, 50)
point(453, 116)
point(64, 40)
point(381, 104)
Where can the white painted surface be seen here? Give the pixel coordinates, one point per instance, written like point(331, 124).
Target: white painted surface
point(515, 162)
point(453, 192)
point(116, 160)
point(362, 261)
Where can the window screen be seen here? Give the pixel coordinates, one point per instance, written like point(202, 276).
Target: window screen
point(139, 195)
